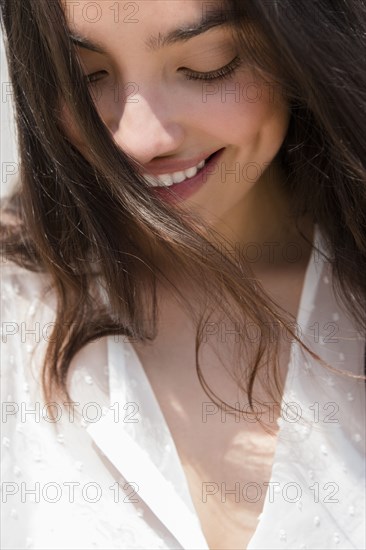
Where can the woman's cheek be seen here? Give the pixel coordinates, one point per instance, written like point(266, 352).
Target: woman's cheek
point(230, 116)
point(241, 103)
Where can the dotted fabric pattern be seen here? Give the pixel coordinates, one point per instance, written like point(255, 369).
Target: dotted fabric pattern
point(96, 480)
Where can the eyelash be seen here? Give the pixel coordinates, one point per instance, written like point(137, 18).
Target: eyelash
point(90, 78)
point(224, 72)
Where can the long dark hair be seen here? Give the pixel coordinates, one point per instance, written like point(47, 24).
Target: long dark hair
point(94, 228)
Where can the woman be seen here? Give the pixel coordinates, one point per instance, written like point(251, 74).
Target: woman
point(184, 290)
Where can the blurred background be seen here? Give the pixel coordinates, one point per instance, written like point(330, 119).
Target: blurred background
point(8, 146)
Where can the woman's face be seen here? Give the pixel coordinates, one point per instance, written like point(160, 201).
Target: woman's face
point(171, 98)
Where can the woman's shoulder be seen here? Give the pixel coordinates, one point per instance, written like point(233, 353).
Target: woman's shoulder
point(29, 315)
point(28, 309)
point(21, 285)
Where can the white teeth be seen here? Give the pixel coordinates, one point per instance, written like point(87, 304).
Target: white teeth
point(192, 171)
point(166, 180)
point(178, 177)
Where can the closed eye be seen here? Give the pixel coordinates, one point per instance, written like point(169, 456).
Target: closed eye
point(91, 78)
point(224, 72)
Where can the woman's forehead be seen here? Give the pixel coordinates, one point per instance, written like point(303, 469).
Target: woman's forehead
point(86, 15)
point(148, 25)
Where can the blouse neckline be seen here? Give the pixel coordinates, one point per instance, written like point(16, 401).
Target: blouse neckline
point(129, 383)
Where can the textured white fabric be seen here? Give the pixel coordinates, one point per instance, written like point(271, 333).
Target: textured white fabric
point(118, 438)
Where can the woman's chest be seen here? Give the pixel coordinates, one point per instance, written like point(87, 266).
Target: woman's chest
point(228, 469)
point(226, 454)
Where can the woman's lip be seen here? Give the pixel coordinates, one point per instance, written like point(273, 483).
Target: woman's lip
point(191, 185)
point(163, 168)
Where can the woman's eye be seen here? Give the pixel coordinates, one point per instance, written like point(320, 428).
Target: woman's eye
point(92, 78)
point(224, 72)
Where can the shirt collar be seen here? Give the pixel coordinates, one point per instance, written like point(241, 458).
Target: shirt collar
point(135, 437)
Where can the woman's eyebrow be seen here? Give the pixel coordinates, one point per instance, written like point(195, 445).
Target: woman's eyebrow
point(83, 42)
point(182, 34)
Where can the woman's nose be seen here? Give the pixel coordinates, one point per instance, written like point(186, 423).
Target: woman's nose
point(147, 129)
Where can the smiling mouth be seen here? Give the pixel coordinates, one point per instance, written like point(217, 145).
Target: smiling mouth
point(168, 179)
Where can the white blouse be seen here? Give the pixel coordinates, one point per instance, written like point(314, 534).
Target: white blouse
point(107, 473)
